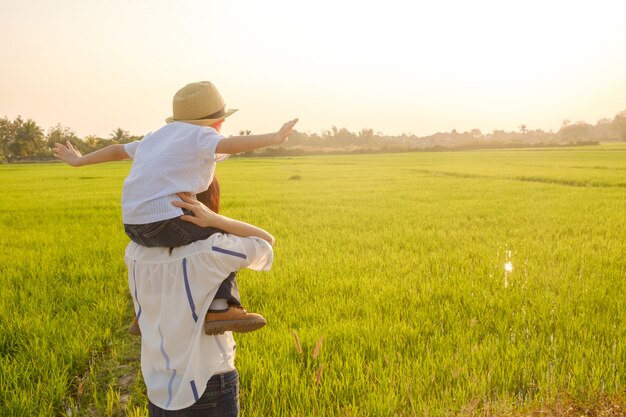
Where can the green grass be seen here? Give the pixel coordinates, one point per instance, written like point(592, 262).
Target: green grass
point(397, 260)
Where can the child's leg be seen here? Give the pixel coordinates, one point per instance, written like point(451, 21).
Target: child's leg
point(226, 312)
point(229, 290)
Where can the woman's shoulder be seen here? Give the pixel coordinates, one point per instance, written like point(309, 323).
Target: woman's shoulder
point(224, 245)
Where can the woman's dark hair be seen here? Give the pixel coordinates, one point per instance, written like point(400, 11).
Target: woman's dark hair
point(211, 197)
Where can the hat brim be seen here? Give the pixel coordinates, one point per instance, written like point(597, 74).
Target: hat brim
point(202, 122)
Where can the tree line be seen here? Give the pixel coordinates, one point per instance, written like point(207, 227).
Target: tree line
point(25, 140)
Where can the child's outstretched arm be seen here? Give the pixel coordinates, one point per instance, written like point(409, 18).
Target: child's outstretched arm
point(237, 144)
point(74, 158)
point(204, 217)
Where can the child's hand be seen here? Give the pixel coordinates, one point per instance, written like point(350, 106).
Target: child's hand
point(67, 153)
point(285, 131)
point(202, 215)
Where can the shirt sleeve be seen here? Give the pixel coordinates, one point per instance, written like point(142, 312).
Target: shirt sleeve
point(208, 139)
point(235, 253)
point(130, 148)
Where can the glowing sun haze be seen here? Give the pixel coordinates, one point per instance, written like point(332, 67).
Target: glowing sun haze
point(393, 66)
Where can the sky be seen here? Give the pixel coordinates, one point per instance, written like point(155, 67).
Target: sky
point(394, 66)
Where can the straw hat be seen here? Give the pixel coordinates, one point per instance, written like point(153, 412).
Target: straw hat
point(200, 104)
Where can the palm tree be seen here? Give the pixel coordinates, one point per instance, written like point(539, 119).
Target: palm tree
point(92, 141)
point(119, 135)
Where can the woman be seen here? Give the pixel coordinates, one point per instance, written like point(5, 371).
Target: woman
point(187, 372)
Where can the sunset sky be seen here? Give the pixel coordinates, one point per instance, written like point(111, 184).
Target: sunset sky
point(393, 66)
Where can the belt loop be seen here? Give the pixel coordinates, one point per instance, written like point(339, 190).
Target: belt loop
point(222, 382)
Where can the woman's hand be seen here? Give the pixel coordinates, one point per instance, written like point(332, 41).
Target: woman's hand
point(202, 215)
point(67, 154)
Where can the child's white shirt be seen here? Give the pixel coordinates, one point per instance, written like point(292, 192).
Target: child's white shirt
point(179, 157)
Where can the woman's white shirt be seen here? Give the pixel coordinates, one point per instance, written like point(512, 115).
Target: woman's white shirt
point(172, 294)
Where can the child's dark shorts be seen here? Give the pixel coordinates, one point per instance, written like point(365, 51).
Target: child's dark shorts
point(168, 233)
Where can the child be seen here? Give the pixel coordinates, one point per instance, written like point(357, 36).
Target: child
point(180, 157)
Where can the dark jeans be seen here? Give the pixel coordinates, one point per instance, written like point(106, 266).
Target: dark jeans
point(176, 232)
point(220, 399)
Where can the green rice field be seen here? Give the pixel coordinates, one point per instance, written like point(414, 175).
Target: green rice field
point(481, 283)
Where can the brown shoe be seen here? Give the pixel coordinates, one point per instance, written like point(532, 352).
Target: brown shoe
point(235, 319)
point(134, 328)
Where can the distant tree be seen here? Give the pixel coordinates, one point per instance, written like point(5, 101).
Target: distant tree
point(344, 137)
point(298, 138)
point(576, 132)
point(29, 140)
point(366, 133)
point(605, 130)
point(60, 134)
point(119, 135)
point(366, 137)
point(93, 142)
point(7, 136)
point(619, 124)
point(498, 136)
point(523, 129)
point(476, 133)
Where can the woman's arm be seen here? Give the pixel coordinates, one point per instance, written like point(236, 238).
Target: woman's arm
point(76, 159)
point(204, 217)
